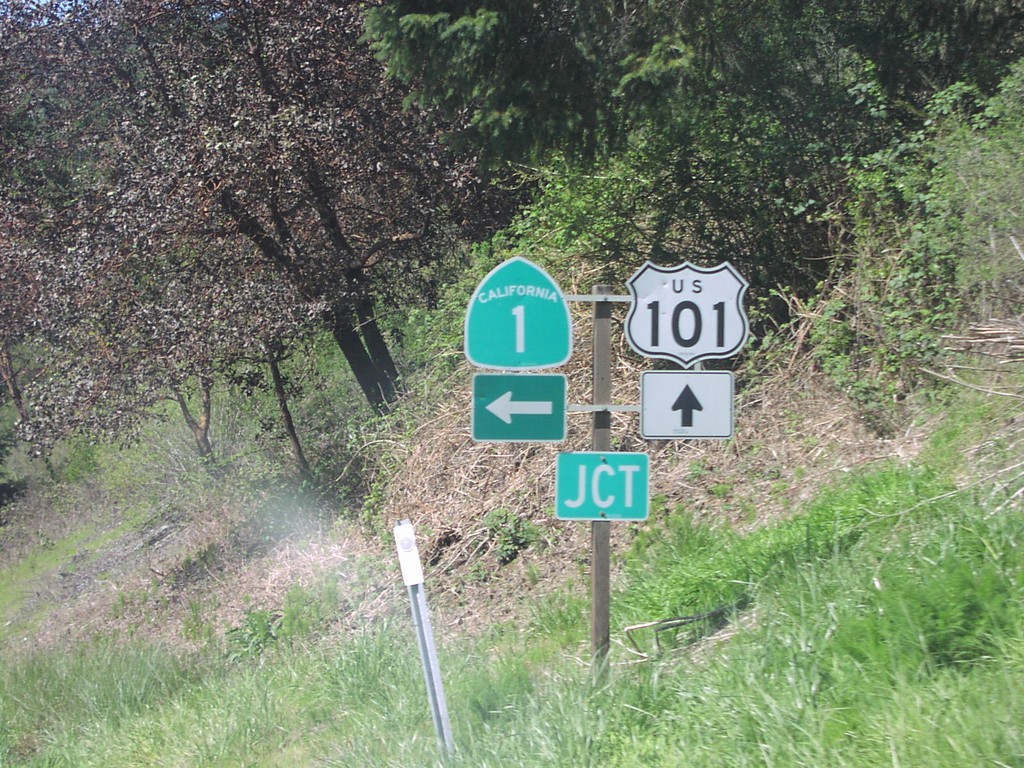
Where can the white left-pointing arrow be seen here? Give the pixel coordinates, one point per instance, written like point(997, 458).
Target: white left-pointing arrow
point(505, 407)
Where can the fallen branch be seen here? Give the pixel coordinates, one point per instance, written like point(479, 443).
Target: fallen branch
point(975, 387)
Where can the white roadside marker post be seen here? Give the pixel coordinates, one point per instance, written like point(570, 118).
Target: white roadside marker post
point(412, 575)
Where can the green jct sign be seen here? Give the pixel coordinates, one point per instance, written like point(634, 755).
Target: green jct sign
point(519, 407)
point(518, 319)
point(602, 486)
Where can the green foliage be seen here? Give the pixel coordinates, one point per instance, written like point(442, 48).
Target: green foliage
point(950, 613)
point(888, 610)
point(974, 196)
point(688, 568)
point(9, 482)
point(509, 533)
point(258, 632)
point(300, 613)
point(967, 419)
point(918, 47)
point(308, 611)
point(77, 463)
point(576, 77)
point(545, 93)
point(723, 133)
point(558, 620)
point(776, 135)
point(843, 352)
point(935, 215)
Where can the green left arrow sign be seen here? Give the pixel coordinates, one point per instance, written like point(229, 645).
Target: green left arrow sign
point(528, 408)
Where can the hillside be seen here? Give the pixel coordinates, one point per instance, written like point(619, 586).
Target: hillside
point(242, 245)
point(483, 513)
point(266, 637)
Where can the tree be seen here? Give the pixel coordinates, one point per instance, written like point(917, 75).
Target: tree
point(261, 132)
point(112, 331)
point(920, 47)
point(733, 124)
point(572, 75)
point(710, 111)
point(526, 76)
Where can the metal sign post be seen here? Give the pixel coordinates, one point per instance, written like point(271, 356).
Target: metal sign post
point(600, 530)
point(412, 575)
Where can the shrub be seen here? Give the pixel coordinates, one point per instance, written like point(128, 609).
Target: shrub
point(509, 533)
point(258, 632)
point(935, 232)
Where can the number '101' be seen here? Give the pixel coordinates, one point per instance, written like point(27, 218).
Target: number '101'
point(681, 309)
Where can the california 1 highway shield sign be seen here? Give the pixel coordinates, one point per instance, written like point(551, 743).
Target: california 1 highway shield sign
point(518, 319)
point(687, 313)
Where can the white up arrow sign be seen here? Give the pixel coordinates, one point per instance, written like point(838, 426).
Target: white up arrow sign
point(505, 407)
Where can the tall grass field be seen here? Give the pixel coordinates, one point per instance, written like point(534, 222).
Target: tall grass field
point(882, 627)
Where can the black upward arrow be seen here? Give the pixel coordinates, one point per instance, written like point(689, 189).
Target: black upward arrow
point(687, 403)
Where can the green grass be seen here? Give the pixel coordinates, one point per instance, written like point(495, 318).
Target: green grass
point(45, 558)
point(888, 631)
point(685, 568)
point(885, 629)
point(81, 546)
